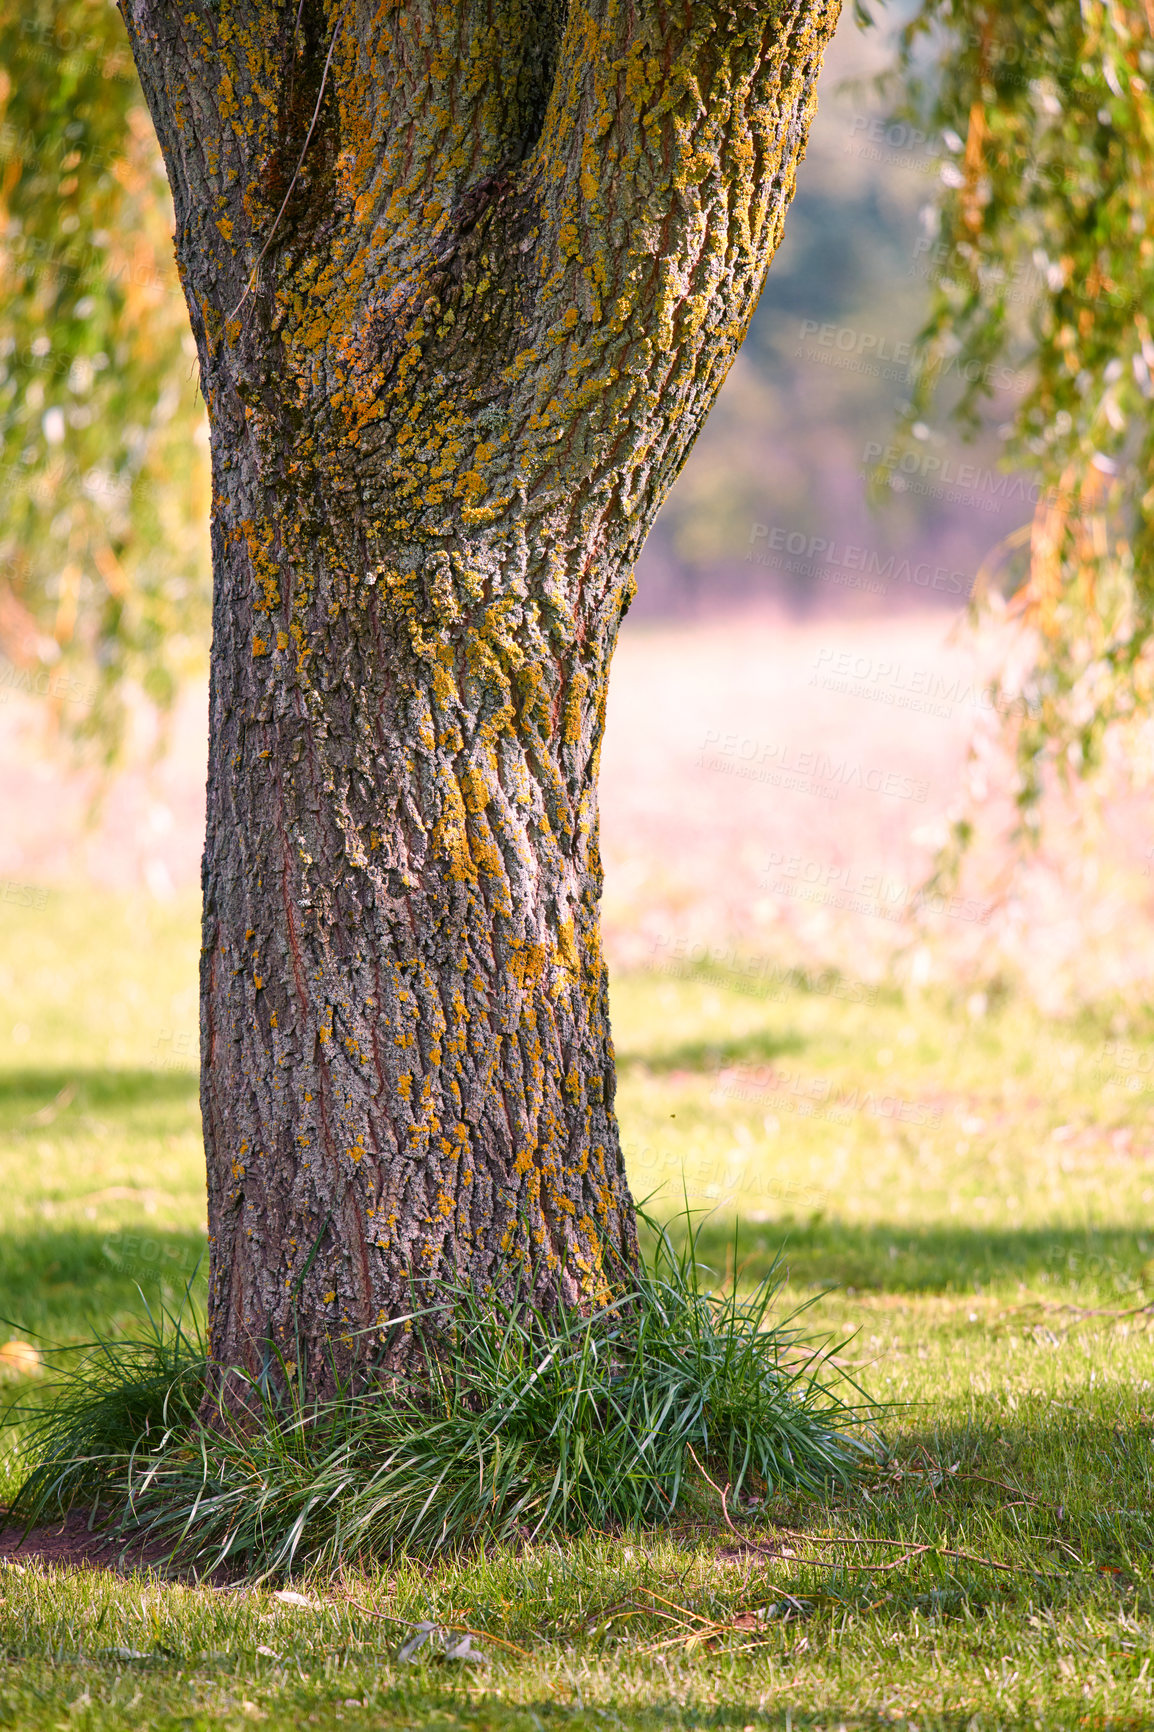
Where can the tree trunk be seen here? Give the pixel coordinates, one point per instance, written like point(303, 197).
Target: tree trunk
point(464, 278)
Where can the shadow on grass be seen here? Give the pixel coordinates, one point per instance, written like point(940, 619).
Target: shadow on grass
point(760, 1046)
point(936, 1259)
point(60, 1283)
point(1079, 1467)
point(1055, 1488)
point(35, 1090)
point(59, 1280)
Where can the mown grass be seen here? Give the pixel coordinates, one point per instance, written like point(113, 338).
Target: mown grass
point(978, 1189)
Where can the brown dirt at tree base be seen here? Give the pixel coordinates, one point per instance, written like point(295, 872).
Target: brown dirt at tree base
point(68, 1544)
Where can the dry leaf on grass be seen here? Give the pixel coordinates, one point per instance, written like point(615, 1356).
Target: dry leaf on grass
point(443, 1642)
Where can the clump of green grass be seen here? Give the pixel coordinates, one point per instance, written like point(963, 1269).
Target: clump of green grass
point(110, 1401)
point(518, 1424)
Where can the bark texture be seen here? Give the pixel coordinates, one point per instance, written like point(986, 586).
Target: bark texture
point(465, 277)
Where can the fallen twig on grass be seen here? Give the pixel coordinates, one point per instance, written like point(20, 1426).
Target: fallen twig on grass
point(863, 1540)
point(723, 1495)
point(1082, 1311)
point(945, 1475)
point(708, 1629)
point(1075, 1316)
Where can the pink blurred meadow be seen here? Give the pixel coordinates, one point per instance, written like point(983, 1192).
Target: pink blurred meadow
point(782, 789)
point(770, 789)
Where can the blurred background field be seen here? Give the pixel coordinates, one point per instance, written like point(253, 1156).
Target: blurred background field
point(798, 712)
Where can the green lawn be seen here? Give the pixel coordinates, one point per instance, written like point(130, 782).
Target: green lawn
point(977, 1184)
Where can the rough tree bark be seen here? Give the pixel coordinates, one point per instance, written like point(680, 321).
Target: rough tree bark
point(465, 277)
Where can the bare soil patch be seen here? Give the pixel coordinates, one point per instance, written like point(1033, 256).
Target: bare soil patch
point(68, 1544)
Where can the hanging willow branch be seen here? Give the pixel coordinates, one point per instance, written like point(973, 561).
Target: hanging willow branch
point(1043, 253)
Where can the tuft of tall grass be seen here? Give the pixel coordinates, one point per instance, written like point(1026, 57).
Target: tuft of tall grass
point(109, 1401)
point(518, 1423)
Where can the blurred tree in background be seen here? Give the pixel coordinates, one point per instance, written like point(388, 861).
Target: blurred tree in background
point(104, 496)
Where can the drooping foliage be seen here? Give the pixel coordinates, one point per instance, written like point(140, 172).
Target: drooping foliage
point(104, 504)
point(1043, 238)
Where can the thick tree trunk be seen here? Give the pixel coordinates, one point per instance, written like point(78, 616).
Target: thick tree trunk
point(465, 278)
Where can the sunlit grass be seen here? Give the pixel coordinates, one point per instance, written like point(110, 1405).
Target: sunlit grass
point(975, 1183)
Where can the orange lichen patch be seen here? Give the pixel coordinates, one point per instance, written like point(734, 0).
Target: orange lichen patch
point(565, 947)
point(450, 841)
point(259, 647)
point(474, 789)
point(259, 539)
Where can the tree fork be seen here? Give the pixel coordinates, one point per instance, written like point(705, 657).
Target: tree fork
point(465, 279)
